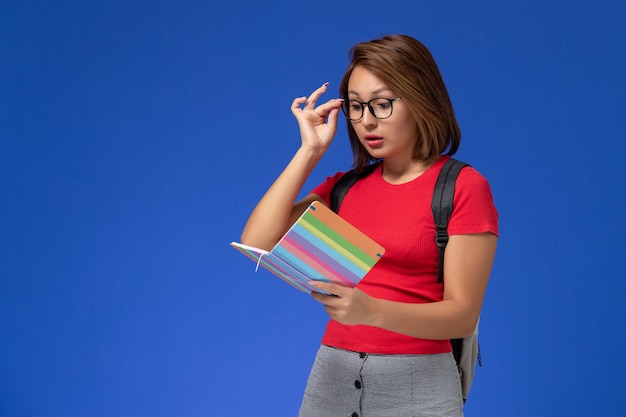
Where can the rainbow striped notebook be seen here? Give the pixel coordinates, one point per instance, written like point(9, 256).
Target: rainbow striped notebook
point(319, 246)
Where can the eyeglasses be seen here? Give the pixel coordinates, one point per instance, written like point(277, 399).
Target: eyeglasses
point(381, 108)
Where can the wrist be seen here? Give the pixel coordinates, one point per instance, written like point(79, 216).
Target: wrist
point(373, 307)
point(310, 154)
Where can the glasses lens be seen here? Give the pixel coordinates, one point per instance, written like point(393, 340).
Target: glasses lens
point(353, 109)
point(382, 108)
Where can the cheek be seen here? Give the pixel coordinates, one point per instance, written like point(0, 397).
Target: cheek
point(407, 132)
point(409, 128)
point(359, 130)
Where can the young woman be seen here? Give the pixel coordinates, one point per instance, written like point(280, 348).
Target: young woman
point(386, 350)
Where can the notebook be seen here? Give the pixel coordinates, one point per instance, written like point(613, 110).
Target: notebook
point(320, 246)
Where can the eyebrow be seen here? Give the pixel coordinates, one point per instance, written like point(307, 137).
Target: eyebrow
point(380, 90)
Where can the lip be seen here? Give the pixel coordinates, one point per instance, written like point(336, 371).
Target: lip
point(373, 140)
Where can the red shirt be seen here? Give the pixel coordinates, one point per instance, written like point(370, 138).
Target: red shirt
point(399, 217)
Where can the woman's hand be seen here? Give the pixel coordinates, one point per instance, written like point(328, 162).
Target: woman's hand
point(318, 125)
point(467, 264)
point(349, 306)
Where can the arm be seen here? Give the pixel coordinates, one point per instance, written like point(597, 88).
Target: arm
point(468, 264)
point(277, 209)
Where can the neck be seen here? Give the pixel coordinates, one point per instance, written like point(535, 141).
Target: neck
point(397, 172)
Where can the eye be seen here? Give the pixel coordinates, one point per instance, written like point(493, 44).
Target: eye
point(355, 105)
point(383, 104)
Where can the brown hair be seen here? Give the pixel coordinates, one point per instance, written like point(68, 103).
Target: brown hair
point(407, 67)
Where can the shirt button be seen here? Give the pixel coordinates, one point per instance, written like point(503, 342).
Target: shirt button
point(355, 415)
point(357, 384)
point(362, 355)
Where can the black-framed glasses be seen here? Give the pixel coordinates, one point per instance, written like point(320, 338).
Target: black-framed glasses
point(381, 108)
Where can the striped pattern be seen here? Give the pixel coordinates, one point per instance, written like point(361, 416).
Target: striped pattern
point(320, 246)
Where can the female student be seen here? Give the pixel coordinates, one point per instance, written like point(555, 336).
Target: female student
point(386, 350)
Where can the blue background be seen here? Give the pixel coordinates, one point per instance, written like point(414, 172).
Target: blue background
point(137, 136)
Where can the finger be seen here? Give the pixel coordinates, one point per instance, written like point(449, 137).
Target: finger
point(329, 287)
point(315, 95)
point(333, 116)
point(318, 296)
point(325, 109)
point(297, 102)
point(330, 311)
point(328, 301)
point(296, 108)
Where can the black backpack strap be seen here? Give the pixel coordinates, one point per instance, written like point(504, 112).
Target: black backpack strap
point(345, 183)
point(442, 205)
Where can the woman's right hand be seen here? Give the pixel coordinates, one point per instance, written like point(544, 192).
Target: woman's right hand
point(318, 125)
point(278, 209)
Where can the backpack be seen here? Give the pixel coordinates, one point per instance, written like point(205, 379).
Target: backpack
point(466, 351)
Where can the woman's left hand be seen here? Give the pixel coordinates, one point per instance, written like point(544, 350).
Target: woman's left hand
point(349, 306)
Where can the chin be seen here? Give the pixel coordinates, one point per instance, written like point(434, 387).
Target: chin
point(376, 153)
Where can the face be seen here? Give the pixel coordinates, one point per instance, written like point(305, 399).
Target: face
point(392, 138)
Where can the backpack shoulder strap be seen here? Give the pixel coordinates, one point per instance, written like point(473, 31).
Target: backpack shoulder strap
point(443, 204)
point(345, 183)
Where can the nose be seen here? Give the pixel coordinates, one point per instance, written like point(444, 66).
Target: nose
point(368, 118)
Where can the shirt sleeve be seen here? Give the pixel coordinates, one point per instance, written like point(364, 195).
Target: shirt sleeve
point(474, 210)
point(323, 190)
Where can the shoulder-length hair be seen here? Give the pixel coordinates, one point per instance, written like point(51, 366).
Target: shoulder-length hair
point(407, 67)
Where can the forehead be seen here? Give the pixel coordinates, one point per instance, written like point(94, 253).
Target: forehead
point(363, 82)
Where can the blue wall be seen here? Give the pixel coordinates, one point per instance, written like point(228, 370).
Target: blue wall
point(137, 136)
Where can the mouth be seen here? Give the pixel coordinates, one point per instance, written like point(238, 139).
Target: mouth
point(373, 141)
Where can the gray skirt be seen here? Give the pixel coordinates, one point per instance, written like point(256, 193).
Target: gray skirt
point(352, 384)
